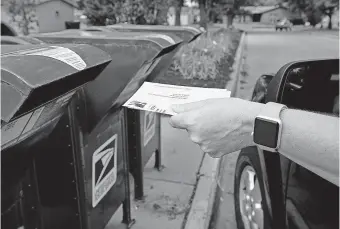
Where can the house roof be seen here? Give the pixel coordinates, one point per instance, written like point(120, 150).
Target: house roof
point(261, 9)
point(69, 2)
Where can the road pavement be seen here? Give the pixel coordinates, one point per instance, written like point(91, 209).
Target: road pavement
point(266, 52)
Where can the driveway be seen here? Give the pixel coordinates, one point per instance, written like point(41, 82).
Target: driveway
point(266, 52)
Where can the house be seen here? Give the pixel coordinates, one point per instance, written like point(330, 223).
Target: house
point(52, 14)
point(268, 14)
point(45, 16)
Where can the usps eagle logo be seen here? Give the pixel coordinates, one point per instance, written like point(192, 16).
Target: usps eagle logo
point(104, 169)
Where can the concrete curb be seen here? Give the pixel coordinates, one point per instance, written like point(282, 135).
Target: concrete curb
point(202, 205)
point(233, 82)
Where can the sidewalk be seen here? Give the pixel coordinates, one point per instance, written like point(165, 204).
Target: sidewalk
point(169, 192)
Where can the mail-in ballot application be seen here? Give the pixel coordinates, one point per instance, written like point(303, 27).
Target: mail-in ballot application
point(159, 98)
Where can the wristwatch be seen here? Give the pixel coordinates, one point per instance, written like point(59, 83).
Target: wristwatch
point(268, 127)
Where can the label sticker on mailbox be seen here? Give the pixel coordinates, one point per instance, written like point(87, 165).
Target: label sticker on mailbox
point(56, 52)
point(22, 126)
point(35, 116)
point(13, 129)
point(104, 169)
point(149, 126)
point(63, 54)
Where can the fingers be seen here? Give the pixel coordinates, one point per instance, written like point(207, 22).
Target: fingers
point(186, 113)
point(180, 108)
point(179, 121)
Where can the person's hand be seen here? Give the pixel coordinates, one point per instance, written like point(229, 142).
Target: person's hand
point(218, 126)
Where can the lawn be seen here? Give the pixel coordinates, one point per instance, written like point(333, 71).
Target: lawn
point(206, 62)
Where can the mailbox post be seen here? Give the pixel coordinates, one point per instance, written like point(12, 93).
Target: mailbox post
point(38, 82)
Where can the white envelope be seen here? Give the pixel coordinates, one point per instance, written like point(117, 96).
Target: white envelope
point(159, 98)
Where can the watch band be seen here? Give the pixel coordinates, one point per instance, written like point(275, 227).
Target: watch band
point(272, 110)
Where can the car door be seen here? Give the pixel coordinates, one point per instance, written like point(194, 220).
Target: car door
point(311, 201)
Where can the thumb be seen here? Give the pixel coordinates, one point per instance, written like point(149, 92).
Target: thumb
point(180, 108)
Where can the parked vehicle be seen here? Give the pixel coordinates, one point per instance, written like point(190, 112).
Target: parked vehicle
point(272, 191)
point(7, 30)
point(283, 24)
point(297, 21)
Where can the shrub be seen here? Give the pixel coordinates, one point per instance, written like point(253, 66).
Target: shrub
point(209, 57)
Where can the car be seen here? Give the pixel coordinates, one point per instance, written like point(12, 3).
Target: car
point(270, 190)
point(7, 30)
point(283, 24)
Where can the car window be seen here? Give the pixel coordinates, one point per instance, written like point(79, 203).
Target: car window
point(311, 89)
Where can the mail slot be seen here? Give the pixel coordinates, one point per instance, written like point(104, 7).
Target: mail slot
point(37, 84)
point(100, 126)
point(186, 33)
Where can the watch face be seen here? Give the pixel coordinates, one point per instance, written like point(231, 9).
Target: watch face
point(266, 132)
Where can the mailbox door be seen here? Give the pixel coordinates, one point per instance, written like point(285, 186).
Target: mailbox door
point(105, 170)
point(38, 175)
point(150, 134)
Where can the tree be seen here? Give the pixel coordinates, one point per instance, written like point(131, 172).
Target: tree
point(156, 11)
point(99, 11)
point(22, 14)
point(202, 4)
point(229, 9)
point(134, 11)
point(314, 9)
point(131, 11)
point(178, 9)
point(328, 9)
point(207, 10)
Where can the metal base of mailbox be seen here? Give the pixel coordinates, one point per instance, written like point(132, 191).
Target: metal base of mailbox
point(56, 190)
point(23, 209)
point(144, 141)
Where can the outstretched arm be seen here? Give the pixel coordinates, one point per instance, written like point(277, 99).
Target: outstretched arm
point(222, 126)
point(312, 140)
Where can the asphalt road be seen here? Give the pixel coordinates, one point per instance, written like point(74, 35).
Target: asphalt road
point(266, 52)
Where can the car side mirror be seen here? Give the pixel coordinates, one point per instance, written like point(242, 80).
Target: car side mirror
point(260, 89)
point(310, 85)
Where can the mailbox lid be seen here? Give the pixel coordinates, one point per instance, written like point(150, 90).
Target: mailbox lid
point(132, 60)
point(162, 40)
point(35, 74)
point(19, 40)
point(186, 33)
